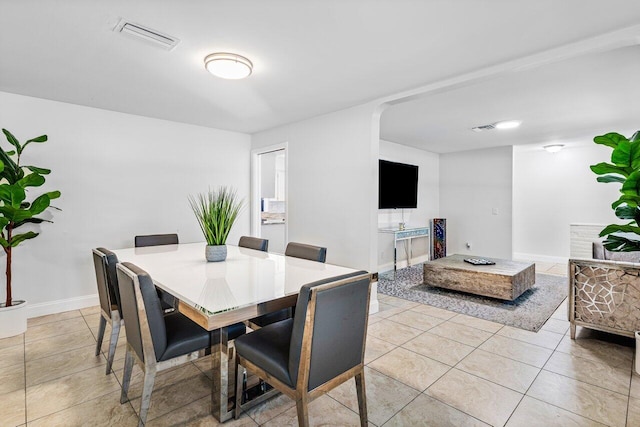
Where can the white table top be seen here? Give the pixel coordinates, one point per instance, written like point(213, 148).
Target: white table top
point(247, 277)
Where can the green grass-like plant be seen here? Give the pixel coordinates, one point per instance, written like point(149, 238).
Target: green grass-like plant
point(623, 169)
point(216, 211)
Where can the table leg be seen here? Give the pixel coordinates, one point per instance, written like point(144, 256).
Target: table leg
point(220, 366)
point(410, 254)
point(395, 257)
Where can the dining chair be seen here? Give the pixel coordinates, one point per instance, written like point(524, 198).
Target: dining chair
point(310, 252)
point(319, 349)
point(254, 243)
point(154, 341)
point(104, 262)
point(168, 301)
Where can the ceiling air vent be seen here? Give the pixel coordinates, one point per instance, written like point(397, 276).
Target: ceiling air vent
point(147, 34)
point(483, 128)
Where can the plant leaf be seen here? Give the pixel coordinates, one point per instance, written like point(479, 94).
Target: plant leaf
point(621, 155)
point(53, 195)
point(605, 168)
point(15, 214)
point(19, 238)
point(41, 138)
point(12, 139)
point(41, 171)
point(3, 242)
point(610, 140)
point(610, 178)
point(28, 221)
point(12, 195)
point(620, 228)
point(31, 180)
point(631, 200)
point(40, 204)
point(621, 244)
point(626, 212)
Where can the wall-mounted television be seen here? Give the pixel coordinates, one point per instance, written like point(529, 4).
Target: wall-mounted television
point(397, 185)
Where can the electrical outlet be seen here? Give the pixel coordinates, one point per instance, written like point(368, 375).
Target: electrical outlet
point(468, 244)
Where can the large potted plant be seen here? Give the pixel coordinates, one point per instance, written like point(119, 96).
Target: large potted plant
point(216, 211)
point(623, 169)
point(16, 211)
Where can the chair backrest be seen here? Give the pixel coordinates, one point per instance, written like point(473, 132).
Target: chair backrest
point(310, 252)
point(330, 339)
point(254, 243)
point(143, 316)
point(155, 240)
point(104, 262)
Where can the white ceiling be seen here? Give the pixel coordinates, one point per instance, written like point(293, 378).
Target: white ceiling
point(312, 57)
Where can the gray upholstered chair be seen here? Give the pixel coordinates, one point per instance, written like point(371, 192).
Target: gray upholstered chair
point(320, 348)
point(154, 341)
point(310, 252)
point(105, 262)
point(168, 301)
point(254, 243)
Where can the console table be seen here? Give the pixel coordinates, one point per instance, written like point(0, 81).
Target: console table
point(406, 234)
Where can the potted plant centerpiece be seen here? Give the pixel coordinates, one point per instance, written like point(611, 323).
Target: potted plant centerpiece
point(15, 212)
point(216, 211)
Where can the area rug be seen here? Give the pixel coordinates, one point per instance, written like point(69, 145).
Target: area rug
point(529, 311)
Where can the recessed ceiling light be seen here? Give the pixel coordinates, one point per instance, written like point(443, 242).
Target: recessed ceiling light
point(553, 148)
point(508, 124)
point(228, 65)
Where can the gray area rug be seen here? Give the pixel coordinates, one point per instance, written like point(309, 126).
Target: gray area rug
point(529, 311)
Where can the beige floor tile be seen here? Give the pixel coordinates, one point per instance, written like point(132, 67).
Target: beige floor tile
point(558, 326)
point(615, 355)
point(561, 312)
point(68, 391)
point(54, 329)
point(558, 270)
point(270, 409)
point(93, 320)
point(163, 378)
point(416, 320)
point(544, 339)
point(176, 395)
point(517, 350)
point(324, 411)
point(12, 378)
point(375, 348)
point(475, 396)
point(580, 398)
point(392, 332)
point(104, 411)
point(197, 414)
point(62, 364)
point(90, 310)
point(633, 416)
point(35, 321)
point(429, 412)
point(474, 322)
point(12, 341)
point(48, 346)
point(434, 311)
point(461, 333)
point(386, 310)
point(11, 356)
point(439, 348)
point(517, 376)
point(385, 396)
point(374, 319)
point(12, 408)
point(535, 413)
point(410, 368)
point(399, 302)
point(590, 371)
point(635, 385)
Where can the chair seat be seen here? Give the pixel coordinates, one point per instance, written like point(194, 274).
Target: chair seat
point(183, 336)
point(269, 318)
point(268, 348)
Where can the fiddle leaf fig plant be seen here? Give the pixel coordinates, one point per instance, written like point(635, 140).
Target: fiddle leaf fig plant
point(16, 207)
point(623, 169)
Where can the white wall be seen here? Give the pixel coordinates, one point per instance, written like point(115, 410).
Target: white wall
point(472, 185)
point(428, 203)
point(553, 190)
point(120, 175)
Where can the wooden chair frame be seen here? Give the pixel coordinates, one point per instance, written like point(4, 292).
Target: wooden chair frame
point(301, 394)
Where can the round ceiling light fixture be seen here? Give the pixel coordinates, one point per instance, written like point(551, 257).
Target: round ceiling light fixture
point(228, 65)
point(508, 124)
point(553, 148)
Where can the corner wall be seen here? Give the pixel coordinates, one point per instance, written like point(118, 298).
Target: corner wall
point(120, 175)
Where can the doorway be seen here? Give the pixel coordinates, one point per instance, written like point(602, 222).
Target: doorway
point(270, 196)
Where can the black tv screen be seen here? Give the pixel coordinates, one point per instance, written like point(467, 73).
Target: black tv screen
point(397, 185)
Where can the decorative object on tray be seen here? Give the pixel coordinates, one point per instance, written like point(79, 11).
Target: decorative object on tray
point(479, 261)
point(216, 211)
point(16, 211)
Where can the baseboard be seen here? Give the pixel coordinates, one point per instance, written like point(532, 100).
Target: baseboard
point(517, 256)
point(58, 306)
point(403, 263)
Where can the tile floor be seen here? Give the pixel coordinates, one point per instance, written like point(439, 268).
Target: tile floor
point(425, 366)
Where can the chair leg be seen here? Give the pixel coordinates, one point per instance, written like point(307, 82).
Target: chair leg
point(302, 406)
point(239, 391)
point(126, 376)
point(147, 389)
point(101, 326)
point(113, 339)
point(362, 399)
point(573, 331)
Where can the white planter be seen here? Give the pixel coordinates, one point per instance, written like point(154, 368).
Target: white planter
point(637, 361)
point(13, 320)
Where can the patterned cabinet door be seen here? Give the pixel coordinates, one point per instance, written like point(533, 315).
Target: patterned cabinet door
point(439, 238)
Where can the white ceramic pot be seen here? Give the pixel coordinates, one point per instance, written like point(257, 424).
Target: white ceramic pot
point(13, 320)
point(215, 253)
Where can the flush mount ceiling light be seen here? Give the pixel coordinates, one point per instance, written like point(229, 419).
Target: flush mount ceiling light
point(553, 148)
point(228, 65)
point(508, 124)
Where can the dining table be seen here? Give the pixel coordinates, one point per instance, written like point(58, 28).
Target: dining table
point(247, 284)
